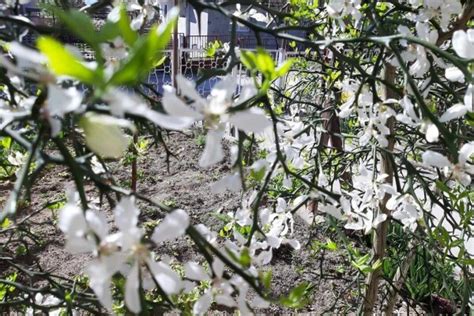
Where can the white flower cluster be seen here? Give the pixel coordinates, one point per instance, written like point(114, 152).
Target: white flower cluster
point(216, 112)
point(124, 252)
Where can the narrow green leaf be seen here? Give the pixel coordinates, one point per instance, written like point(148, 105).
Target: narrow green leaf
point(145, 54)
point(129, 36)
point(284, 68)
point(80, 24)
point(63, 62)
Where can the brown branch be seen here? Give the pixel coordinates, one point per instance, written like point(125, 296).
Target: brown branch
point(380, 234)
point(459, 24)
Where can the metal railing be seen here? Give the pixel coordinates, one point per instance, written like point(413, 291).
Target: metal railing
point(243, 41)
point(193, 61)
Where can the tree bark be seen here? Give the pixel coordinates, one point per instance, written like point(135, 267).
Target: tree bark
point(134, 178)
point(380, 234)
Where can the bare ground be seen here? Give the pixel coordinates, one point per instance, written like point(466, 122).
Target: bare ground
point(184, 185)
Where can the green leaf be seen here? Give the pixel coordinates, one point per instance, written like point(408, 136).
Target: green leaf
point(212, 48)
point(79, 23)
point(245, 259)
point(331, 245)
point(133, 68)
point(248, 59)
point(145, 54)
point(265, 62)
point(442, 186)
point(56, 205)
point(62, 62)
point(376, 265)
point(257, 175)
point(298, 297)
point(6, 142)
point(129, 36)
point(284, 68)
point(108, 32)
point(266, 278)
point(5, 224)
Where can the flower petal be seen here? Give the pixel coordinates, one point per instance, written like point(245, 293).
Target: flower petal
point(187, 89)
point(194, 271)
point(230, 182)
point(454, 74)
point(213, 152)
point(121, 103)
point(454, 112)
point(226, 300)
point(331, 210)
point(104, 135)
point(202, 304)
point(97, 222)
point(126, 214)
point(132, 297)
point(100, 280)
point(252, 120)
point(168, 280)
point(71, 219)
point(469, 98)
point(61, 101)
point(176, 107)
point(168, 121)
point(432, 133)
point(463, 44)
point(466, 151)
point(218, 267)
point(173, 226)
point(432, 158)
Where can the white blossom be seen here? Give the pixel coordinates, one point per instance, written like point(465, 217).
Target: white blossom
point(461, 171)
point(214, 111)
point(463, 43)
point(120, 252)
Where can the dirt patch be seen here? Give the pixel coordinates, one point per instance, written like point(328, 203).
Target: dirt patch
point(183, 184)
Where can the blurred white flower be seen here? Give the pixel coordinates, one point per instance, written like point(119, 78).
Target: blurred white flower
point(463, 43)
point(215, 111)
point(410, 118)
point(231, 182)
point(454, 112)
point(375, 125)
point(342, 8)
point(441, 11)
point(48, 301)
point(104, 135)
point(251, 14)
point(230, 293)
point(122, 103)
point(460, 171)
point(173, 226)
point(405, 210)
point(60, 102)
point(454, 74)
point(122, 251)
point(31, 64)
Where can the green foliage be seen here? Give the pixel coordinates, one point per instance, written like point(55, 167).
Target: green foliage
point(261, 62)
point(6, 289)
point(63, 62)
point(146, 52)
point(213, 47)
point(298, 296)
point(318, 246)
point(200, 140)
